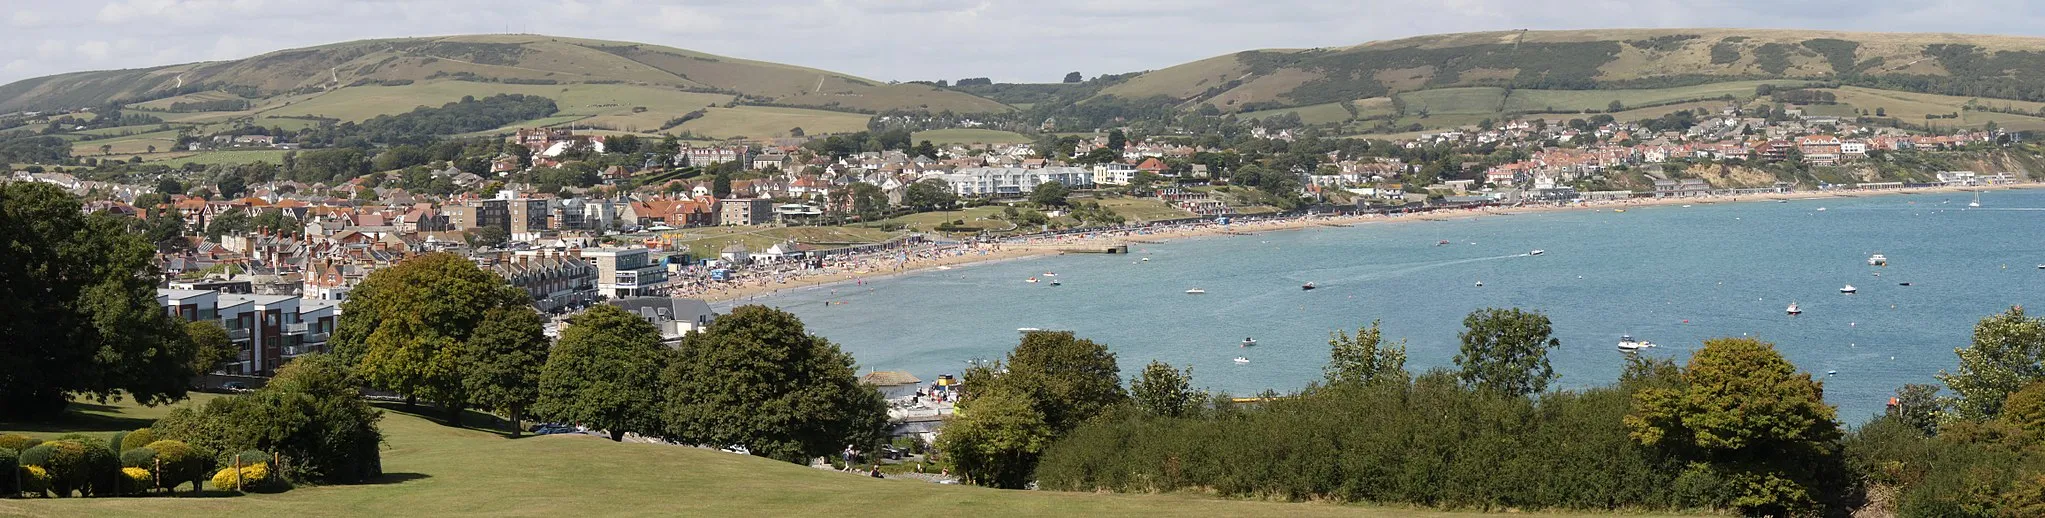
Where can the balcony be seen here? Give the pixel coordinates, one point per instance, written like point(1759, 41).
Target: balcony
point(297, 350)
point(315, 338)
point(297, 329)
point(237, 334)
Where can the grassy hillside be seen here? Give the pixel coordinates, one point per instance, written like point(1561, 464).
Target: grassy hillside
point(1628, 59)
point(493, 62)
point(433, 470)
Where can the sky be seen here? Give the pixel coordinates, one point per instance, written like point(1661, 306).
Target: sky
point(1008, 40)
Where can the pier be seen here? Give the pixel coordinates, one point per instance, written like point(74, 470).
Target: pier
point(1075, 248)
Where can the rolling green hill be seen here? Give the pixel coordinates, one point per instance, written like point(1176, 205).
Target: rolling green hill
point(1646, 64)
point(486, 63)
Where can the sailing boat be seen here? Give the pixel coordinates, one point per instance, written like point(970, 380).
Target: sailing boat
point(1977, 200)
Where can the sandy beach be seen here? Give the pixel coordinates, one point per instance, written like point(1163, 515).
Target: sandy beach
point(935, 256)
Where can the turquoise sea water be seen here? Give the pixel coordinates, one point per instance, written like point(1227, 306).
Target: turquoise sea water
point(1674, 275)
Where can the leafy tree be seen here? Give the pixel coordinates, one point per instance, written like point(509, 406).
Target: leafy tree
point(757, 378)
point(2025, 411)
point(1365, 358)
point(210, 345)
point(1750, 416)
point(403, 327)
point(1117, 140)
point(1164, 391)
point(1050, 194)
point(929, 195)
point(167, 185)
point(1615, 107)
point(720, 186)
point(311, 413)
point(230, 186)
point(604, 373)
point(488, 237)
point(233, 222)
point(2008, 352)
point(276, 222)
point(79, 292)
point(1919, 406)
point(995, 439)
point(1506, 350)
point(1069, 379)
point(1073, 77)
point(507, 351)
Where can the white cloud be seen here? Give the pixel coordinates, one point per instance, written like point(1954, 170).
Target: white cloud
point(25, 18)
point(95, 50)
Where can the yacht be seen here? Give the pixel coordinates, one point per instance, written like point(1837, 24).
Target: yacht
point(1977, 200)
point(1537, 252)
point(1480, 284)
point(1793, 310)
point(1196, 291)
point(1054, 282)
point(1849, 289)
point(1241, 360)
point(1627, 343)
point(1877, 260)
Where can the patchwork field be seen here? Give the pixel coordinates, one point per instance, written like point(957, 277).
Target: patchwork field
point(1315, 114)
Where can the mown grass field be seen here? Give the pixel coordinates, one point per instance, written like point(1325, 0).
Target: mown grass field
point(969, 136)
point(1911, 108)
point(225, 156)
point(609, 103)
point(1138, 210)
point(1447, 101)
point(977, 217)
point(772, 121)
point(128, 145)
point(435, 470)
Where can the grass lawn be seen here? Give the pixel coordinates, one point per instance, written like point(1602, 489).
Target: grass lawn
point(611, 104)
point(977, 217)
point(435, 470)
point(225, 156)
point(128, 145)
point(970, 136)
point(771, 121)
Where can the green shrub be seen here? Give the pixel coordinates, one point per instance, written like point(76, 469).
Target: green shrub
point(311, 414)
point(18, 442)
point(102, 471)
point(144, 458)
point(137, 439)
point(136, 480)
point(247, 457)
point(34, 480)
point(115, 443)
point(67, 464)
point(9, 462)
point(182, 463)
point(37, 455)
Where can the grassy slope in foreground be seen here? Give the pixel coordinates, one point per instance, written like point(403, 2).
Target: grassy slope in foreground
point(434, 470)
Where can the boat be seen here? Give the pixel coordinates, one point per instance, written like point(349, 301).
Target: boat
point(1537, 252)
point(1027, 330)
point(1049, 274)
point(1902, 284)
point(1977, 200)
point(1241, 360)
point(1032, 280)
point(1196, 291)
point(1146, 259)
point(1618, 210)
point(1877, 260)
point(1249, 342)
point(1480, 284)
point(1443, 242)
point(1056, 283)
point(2041, 266)
point(1821, 209)
point(1793, 310)
point(1627, 343)
point(1307, 287)
point(1849, 289)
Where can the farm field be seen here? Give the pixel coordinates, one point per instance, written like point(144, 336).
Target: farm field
point(969, 136)
point(772, 121)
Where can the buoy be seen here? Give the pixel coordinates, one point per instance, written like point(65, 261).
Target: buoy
point(1686, 321)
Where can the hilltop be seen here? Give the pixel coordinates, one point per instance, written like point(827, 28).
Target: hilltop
point(372, 77)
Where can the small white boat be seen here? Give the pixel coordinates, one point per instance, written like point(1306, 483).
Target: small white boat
point(1821, 209)
point(1537, 252)
point(1480, 284)
point(1056, 283)
point(1196, 291)
point(1832, 372)
point(2041, 266)
point(1977, 200)
point(1793, 310)
point(1032, 280)
point(1146, 259)
point(1877, 260)
point(1248, 342)
point(1627, 343)
point(1849, 289)
point(1027, 330)
point(1049, 274)
point(1241, 360)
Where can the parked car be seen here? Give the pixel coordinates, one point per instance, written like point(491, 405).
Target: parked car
point(235, 386)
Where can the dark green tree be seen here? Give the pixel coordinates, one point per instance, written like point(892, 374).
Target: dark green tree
point(1073, 77)
point(757, 378)
point(230, 186)
point(1365, 358)
point(720, 186)
point(507, 351)
point(929, 195)
point(233, 222)
point(604, 373)
point(1068, 378)
point(1163, 390)
point(1919, 406)
point(276, 222)
point(210, 345)
point(1050, 194)
point(79, 292)
point(995, 440)
point(404, 327)
point(1117, 140)
point(1506, 350)
point(312, 414)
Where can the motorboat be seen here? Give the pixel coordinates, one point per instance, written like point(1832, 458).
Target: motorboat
point(1618, 210)
point(1249, 342)
point(1049, 274)
point(1877, 260)
point(1902, 284)
point(1849, 289)
point(1821, 209)
point(1537, 252)
point(1146, 259)
point(1027, 330)
point(1032, 280)
point(1793, 310)
point(1443, 242)
point(1627, 343)
point(2041, 266)
point(1196, 291)
point(1480, 284)
point(1241, 360)
point(1307, 287)
point(1056, 283)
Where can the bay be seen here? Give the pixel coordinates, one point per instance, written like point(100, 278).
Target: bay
point(1671, 274)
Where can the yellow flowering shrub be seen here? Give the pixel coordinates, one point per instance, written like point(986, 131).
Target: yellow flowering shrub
point(34, 479)
point(136, 480)
point(250, 475)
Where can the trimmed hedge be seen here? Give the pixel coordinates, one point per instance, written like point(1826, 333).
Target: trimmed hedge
point(182, 463)
point(18, 442)
point(9, 461)
point(144, 458)
point(138, 439)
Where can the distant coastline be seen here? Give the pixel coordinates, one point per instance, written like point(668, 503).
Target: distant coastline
point(1041, 246)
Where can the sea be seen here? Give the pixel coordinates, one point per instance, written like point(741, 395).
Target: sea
point(1675, 275)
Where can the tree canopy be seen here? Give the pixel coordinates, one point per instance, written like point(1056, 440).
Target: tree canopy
point(2008, 352)
point(1364, 358)
point(604, 373)
point(1506, 350)
point(403, 327)
point(756, 378)
point(79, 294)
point(506, 353)
point(1165, 391)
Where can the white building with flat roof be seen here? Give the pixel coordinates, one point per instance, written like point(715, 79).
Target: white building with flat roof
point(1010, 181)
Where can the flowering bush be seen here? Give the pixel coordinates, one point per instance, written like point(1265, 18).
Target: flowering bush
point(181, 462)
point(136, 480)
point(18, 442)
point(34, 479)
point(251, 475)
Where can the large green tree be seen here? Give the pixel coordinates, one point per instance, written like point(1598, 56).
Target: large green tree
point(1365, 358)
point(604, 373)
point(929, 195)
point(210, 345)
point(1163, 390)
point(757, 378)
point(995, 439)
point(1746, 414)
point(1069, 379)
point(506, 352)
point(1050, 194)
point(78, 292)
point(1506, 350)
point(404, 326)
point(2008, 352)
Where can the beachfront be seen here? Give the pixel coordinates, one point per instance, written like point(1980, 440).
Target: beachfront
point(752, 281)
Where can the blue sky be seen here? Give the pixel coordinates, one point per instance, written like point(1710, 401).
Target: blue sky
point(1009, 40)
